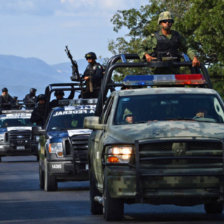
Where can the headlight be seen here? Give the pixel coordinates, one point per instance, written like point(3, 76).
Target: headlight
point(119, 154)
point(56, 148)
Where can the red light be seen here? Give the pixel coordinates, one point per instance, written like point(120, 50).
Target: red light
point(189, 79)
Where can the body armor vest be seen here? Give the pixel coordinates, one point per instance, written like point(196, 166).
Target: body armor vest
point(167, 47)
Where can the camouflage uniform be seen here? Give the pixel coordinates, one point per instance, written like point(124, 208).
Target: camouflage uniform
point(149, 44)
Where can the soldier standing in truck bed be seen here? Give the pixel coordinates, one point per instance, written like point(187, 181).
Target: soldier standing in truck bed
point(166, 42)
point(38, 114)
point(6, 101)
point(93, 76)
point(30, 99)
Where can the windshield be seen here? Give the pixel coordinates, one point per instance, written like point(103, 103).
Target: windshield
point(195, 107)
point(16, 122)
point(62, 121)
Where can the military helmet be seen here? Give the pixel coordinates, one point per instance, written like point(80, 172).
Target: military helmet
point(41, 97)
point(164, 16)
point(33, 90)
point(90, 55)
point(127, 113)
point(59, 93)
point(4, 89)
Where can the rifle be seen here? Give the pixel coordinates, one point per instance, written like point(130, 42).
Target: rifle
point(75, 71)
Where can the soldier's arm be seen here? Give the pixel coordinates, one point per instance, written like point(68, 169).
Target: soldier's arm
point(147, 48)
point(189, 51)
point(186, 49)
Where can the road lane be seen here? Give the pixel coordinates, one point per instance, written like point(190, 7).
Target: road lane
point(21, 201)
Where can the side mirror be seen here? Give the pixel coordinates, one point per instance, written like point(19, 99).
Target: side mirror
point(93, 123)
point(37, 130)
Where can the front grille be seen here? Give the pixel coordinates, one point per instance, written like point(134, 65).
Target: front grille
point(177, 154)
point(77, 146)
point(79, 142)
point(178, 165)
point(19, 137)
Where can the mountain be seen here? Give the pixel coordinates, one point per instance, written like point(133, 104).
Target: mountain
point(65, 68)
point(20, 74)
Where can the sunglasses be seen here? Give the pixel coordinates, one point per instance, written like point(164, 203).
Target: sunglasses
point(167, 21)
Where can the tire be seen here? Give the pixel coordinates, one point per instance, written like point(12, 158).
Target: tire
point(41, 177)
point(96, 208)
point(213, 208)
point(113, 209)
point(50, 183)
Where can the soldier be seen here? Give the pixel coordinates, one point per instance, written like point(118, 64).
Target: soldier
point(16, 105)
point(6, 101)
point(59, 94)
point(93, 76)
point(37, 116)
point(30, 99)
point(166, 42)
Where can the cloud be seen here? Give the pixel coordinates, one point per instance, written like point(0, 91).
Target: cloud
point(64, 7)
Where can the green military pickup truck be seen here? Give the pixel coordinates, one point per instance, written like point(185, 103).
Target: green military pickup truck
point(159, 145)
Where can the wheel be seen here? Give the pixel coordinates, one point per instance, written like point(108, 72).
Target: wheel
point(41, 177)
point(50, 183)
point(213, 208)
point(113, 209)
point(96, 208)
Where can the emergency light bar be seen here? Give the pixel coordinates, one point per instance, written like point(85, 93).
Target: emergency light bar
point(16, 111)
point(74, 102)
point(164, 79)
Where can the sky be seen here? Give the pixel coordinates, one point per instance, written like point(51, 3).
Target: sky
point(42, 28)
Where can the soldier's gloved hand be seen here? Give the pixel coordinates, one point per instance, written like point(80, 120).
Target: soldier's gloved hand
point(149, 58)
point(86, 77)
point(195, 62)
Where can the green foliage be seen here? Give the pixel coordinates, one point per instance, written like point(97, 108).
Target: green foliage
point(216, 73)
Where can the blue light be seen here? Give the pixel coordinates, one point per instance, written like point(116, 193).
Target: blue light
point(138, 80)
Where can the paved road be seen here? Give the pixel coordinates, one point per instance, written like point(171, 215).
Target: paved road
point(21, 201)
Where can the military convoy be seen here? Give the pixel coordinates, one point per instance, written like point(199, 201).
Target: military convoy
point(157, 139)
point(169, 150)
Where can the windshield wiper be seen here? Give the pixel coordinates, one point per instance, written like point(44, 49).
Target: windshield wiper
point(183, 119)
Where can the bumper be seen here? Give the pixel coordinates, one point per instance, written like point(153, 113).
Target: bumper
point(180, 190)
point(66, 170)
point(7, 150)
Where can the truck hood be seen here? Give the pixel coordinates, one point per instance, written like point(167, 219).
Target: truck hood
point(165, 129)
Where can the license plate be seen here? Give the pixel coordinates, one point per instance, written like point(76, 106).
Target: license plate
point(20, 147)
point(56, 166)
point(87, 166)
